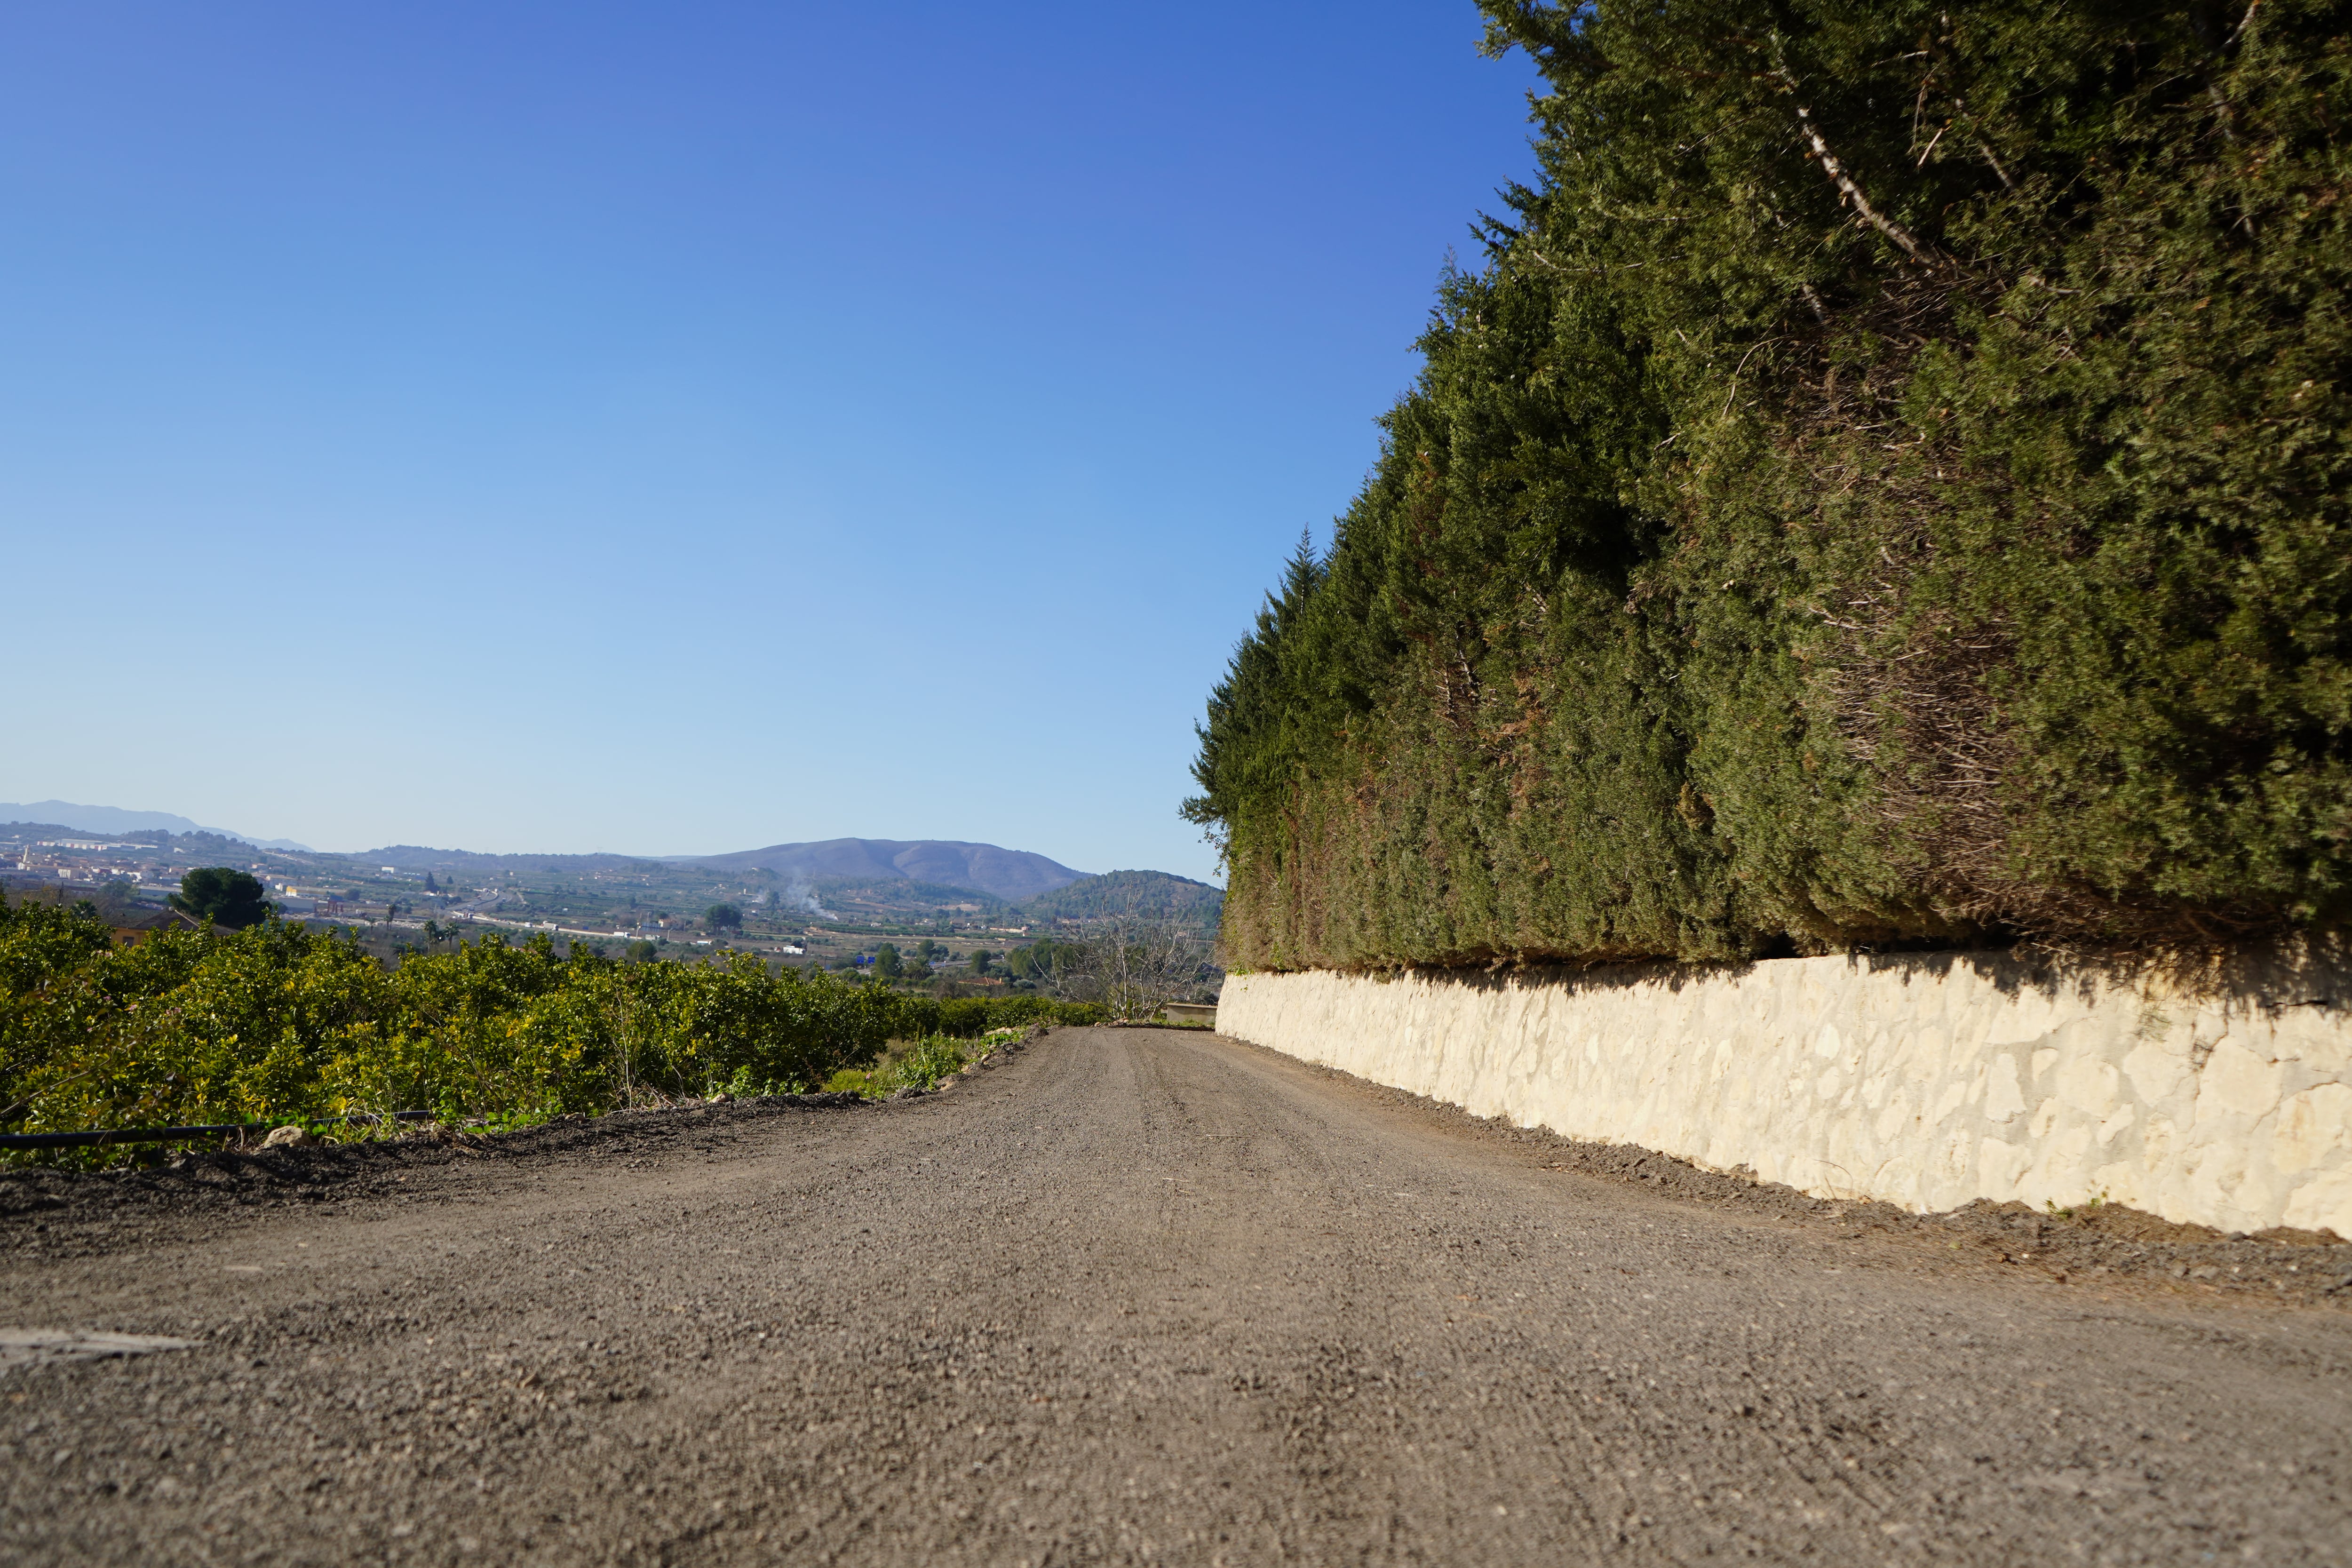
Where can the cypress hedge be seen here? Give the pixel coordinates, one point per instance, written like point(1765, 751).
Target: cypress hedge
point(1882, 484)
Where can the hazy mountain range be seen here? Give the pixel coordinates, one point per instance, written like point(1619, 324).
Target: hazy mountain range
point(1014, 876)
point(114, 821)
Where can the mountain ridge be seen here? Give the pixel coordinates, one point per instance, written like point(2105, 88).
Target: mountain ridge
point(1013, 875)
point(1010, 876)
point(113, 822)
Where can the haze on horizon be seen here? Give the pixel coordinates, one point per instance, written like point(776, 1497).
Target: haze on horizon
point(683, 429)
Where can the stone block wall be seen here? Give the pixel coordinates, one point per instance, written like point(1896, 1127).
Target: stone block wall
point(1926, 1081)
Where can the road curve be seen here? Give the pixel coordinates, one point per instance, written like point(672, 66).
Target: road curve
point(1139, 1296)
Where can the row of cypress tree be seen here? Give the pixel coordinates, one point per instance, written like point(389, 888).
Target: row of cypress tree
point(1883, 483)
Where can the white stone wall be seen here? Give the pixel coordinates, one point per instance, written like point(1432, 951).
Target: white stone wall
point(1925, 1079)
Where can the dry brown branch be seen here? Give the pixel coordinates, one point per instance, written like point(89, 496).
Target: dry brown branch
point(1847, 186)
point(1911, 692)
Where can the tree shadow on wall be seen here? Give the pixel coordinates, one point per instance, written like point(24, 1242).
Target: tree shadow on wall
point(2269, 979)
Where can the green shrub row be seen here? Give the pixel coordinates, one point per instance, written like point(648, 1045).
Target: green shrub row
point(277, 1023)
point(964, 1017)
point(1885, 482)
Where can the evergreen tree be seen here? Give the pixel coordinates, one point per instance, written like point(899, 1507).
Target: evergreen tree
point(228, 897)
point(1884, 481)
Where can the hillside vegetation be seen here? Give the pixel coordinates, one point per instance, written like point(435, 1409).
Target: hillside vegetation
point(1158, 895)
point(1884, 482)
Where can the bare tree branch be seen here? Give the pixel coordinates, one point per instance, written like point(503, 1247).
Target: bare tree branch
point(1894, 231)
point(1134, 962)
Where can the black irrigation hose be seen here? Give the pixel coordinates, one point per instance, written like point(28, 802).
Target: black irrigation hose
point(110, 1135)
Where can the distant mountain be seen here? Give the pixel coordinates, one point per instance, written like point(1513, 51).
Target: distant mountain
point(1159, 894)
point(113, 822)
point(1012, 875)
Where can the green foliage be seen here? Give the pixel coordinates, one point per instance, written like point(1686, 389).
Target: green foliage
point(1042, 960)
point(276, 1022)
point(723, 916)
point(1885, 482)
point(279, 1023)
point(964, 1016)
point(887, 962)
point(223, 895)
point(934, 1060)
point(920, 1065)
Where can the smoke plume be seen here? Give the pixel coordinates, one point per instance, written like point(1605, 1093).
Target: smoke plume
point(798, 895)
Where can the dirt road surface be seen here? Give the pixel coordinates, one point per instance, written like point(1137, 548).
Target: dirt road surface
point(1137, 1296)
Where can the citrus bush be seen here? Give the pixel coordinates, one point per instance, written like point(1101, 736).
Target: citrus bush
point(279, 1023)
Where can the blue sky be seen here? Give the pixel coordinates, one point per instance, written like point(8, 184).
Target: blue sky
point(679, 428)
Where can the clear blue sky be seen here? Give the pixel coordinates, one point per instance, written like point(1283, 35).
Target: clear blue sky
point(680, 427)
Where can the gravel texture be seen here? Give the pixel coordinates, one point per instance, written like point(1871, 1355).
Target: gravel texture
point(1139, 1296)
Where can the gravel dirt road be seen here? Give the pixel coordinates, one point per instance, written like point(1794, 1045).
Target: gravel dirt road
point(1136, 1295)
